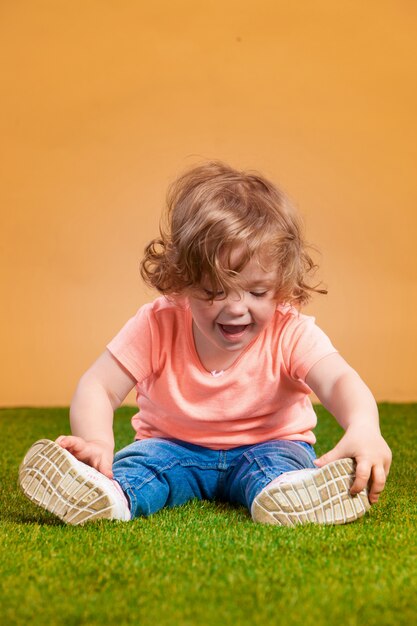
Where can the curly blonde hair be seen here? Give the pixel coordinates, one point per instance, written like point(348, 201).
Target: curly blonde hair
point(213, 211)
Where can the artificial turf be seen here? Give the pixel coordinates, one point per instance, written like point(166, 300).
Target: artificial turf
point(207, 563)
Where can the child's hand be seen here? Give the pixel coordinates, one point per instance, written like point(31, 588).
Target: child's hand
point(372, 456)
point(95, 453)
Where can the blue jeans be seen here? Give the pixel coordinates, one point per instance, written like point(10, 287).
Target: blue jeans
point(155, 473)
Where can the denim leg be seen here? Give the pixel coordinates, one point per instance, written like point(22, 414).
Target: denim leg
point(155, 473)
point(261, 463)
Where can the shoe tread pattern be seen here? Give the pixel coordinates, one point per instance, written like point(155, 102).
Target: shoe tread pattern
point(49, 478)
point(322, 498)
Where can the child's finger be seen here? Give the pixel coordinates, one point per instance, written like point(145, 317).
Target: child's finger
point(71, 443)
point(59, 440)
point(330, 456)
point(106, 469)
point(362, 475)
point(387, 464)
point(64, 441)
point(377, 483)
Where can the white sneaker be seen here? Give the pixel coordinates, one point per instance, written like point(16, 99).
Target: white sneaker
point(77, 493)
point(318, 496)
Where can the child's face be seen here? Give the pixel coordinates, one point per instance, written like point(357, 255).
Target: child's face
point(228, 325)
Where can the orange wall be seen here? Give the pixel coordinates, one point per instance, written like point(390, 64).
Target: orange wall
point(103, 103)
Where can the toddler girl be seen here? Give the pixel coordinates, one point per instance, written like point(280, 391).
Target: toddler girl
point(223, 363)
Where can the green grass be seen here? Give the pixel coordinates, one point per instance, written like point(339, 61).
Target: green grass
point(207, 563)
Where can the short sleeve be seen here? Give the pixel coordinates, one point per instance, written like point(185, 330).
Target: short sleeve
point(304, 344)
point(132, 346)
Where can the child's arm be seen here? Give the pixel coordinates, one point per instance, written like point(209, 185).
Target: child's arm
point(100, 391)
point(343, 393)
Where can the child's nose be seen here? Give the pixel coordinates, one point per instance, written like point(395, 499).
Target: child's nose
point(236, 303)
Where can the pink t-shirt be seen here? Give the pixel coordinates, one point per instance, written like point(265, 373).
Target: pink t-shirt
point(262, 396)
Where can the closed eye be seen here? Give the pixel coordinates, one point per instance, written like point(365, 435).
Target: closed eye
point(213, 294)
point(258, 294)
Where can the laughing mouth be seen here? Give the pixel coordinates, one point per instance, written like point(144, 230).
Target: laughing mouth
point(233, 330)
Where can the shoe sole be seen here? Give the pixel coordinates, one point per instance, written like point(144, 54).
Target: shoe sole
point(51, 478)
point(320, 498)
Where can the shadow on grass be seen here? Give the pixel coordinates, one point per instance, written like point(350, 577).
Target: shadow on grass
point(28, 520)
point(19, 510)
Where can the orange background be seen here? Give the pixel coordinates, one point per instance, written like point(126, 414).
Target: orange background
point(104, 103)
